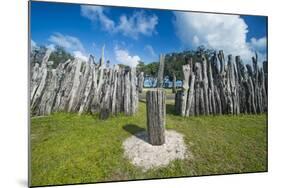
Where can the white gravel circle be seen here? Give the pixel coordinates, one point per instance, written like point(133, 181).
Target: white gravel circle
point(144, 155)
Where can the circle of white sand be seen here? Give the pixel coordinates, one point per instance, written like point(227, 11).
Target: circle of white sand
point(142, 154)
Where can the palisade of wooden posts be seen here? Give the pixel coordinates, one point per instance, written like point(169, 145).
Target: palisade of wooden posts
point(216, 85)
point(82, 87)
point(156, 109)
point(140, 81)
point(213, 86)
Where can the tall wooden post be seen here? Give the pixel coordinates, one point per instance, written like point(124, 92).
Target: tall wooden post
point(185, 87)
point(140, 81)
point(156, 110)
point(174, 83)
point(160, 71)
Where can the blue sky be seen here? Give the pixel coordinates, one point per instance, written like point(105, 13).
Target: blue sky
point(132, 34)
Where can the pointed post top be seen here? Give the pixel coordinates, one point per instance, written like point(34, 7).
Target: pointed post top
point(102, 56)
point(160, 71)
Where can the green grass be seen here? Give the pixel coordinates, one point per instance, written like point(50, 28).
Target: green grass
point(68, 149)
point(167, 90)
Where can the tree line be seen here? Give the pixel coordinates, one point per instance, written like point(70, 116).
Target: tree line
point(58, 56)
point(173, 64)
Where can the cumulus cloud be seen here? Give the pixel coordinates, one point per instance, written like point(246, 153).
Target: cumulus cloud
point(131, 26)
point(51, 47)
point(123, 57)
point(80, 55)
point(70, 43)
point(33, 44)
point(67, 41)
point(150, 50)
point(138, 23)
point(96, 13)
point(258, 44)
point(226, 32)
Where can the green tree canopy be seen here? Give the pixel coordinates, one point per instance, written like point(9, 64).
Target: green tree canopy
point(174, 62)
point(60, 55)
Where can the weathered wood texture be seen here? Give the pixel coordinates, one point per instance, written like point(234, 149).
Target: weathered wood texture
point(160, 71)
point(140, 81)
point(174, 89)
point(213, 86)
point(156, 112)
point(156, 109)
point(82, 87)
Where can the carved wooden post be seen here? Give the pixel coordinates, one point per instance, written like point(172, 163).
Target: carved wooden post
point(38, 89)
point(230, 85)
point(114, 89)
point(87, 85)
point(185, 88)
point(264, 64)
point(95, 106)
point(156, 110)
point(160, 71)
point(75, 86)
point(213, 107)
point(105, 108)
point(205, 85)
point(263, 90)
point(140, 82)
point(174, 83)
point(127, 93)
point(221, 82)
point(251, 91)
point(199, 99)
point(190, 101)
point(178, 101)
point(134, 93)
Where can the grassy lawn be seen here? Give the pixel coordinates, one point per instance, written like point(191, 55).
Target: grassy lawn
point(167, 90)
point(68, 149)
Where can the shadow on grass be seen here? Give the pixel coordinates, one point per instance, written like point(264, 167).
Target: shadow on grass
point(170, 109)
point(142, 101)
point(135, 130)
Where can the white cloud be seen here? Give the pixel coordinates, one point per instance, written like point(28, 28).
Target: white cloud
point(258, 44)
point(68, 42)
point(138, 23)
point(33, 44)
point(51, 47)
point(150, 50)
point(95, 13)
point(79, 54)
point(131, 26)
point(123, 57)
point(226, 32)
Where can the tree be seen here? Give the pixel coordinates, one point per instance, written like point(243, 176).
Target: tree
point(175, 61)
point(37, 54)
point(123, 66)
point(151, 69)
point(141, 66)
point(60, 55)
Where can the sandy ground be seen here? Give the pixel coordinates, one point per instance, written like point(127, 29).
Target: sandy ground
point(144, 155)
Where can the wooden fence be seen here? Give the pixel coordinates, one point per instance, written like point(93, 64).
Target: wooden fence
point(82, 87)
point(214, 86)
